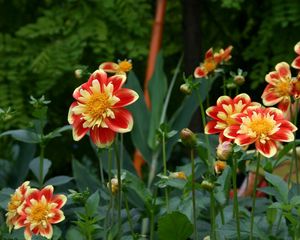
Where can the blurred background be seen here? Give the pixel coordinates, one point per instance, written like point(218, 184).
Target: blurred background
point(42, 43)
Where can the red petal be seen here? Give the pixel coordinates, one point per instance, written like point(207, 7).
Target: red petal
point(284, 104)
point(199, 72)
point(242, 97)
point(47, 192)
point(20, 222)
point(47, 232)
point(222, 138)
point(126, 96)
point(34, 194)
point(70, 114)
point(224, 100)
point(110, 67)
point(272, 77)
point(58, 216)
point(60, 200)
point(286, 125)
point(27, 233)
point(297, 48)
point(122, 122)
point(270, 97)
point(296, 63)
point(210, 128)
point(117, 81)
point(100, 75)
point(231, 132)
point(243, 140)
point(78, 130)
point(283, 135)
point(209, 53)
point(283, 70)
point(102, 137)
point(269, 149)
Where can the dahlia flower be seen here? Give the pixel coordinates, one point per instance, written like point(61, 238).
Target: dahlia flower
point(119, 68)
point(222, 114)
point(262, 126)
point(16, 200)
point(279, 89)
point(99, 108)
point(211, 61)
point(39, 211)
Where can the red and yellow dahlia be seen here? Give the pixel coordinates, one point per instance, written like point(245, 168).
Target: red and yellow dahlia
point(99, 108)
point(119, 68)
point(262, 126)
point(39, 211)
point(211, 61)
point(279, 89)
point(16, 201)
point(296, 62)
point(222, 114)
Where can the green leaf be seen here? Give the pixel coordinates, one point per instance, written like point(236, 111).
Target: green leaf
point(92, 204)
point(175, 226)
point(74, 233)
point(280, 185)
point(141, 117)
point(84, 179)
point(57, 132)
point(35, 167)
point(56, 233)
point(271, 215)
point(58, 180)
point(223, 188)
point(23, 136)
point(157, 92)
point(295, 200)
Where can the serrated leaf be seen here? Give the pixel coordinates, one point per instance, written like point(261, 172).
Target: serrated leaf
point(280, 185)
point(175, 226)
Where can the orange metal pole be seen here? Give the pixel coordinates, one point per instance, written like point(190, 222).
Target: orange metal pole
point(155, 44)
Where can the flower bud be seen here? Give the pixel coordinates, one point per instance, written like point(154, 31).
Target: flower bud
point(78, 73)
point(220, 166)
point(188, 138)
point(185, 88)
point(239, 80)
point(224, 150)
point(207, 185)
point(114, 185)
point(206, 238)
point(178, 175)
point(231, 85)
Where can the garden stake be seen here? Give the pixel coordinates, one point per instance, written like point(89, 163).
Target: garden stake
point(193, 194)
point(235, 198)
point(254, 195)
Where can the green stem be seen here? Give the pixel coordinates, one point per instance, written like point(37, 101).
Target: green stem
point(152, 215)
point(254, 196)
point(165, 168)
point(210, 165)
point(119, 189)
point(41, 172)
point(194, 195)
point(212, 215)
point(110, 192)
point(100, 167)
point(224, 84)
point(235, 199)
point(222, 216)
point(129, 216)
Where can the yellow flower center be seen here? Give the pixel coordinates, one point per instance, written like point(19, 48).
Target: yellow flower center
point(14, 203)
point(39, 212)
point(284, 87)
point(125, 66)
point(97, 104)
point(262, 126)
point(209, 65)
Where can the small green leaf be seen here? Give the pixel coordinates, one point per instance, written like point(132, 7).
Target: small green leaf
point(58, 180)
point(280, 185)
point(35, 167)
point(92, 204)
point(175, 226)
point(74, 233)
point(295, 200)
point(271, 215)
point(56, 233)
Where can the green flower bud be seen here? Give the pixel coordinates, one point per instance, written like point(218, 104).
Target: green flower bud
point(188, 138)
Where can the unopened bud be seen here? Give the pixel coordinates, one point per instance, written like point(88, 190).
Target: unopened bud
point(114, 184)
point(178, 175)
point(206, 238)
point(239, 80)
point(185, 88)
point(206, 185)
point(231, 85)
point(78, 73)
point(224, 150)
point(220, 166)
point(188, 138)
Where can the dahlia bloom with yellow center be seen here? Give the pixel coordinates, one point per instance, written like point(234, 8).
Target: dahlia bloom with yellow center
point(262, 126)
point(99, 108)
point(211, 61)
point(40, 210)
point(118, 68)
point(223, 113)
point(16, 200)
point(279, 89)
point(296, 62)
